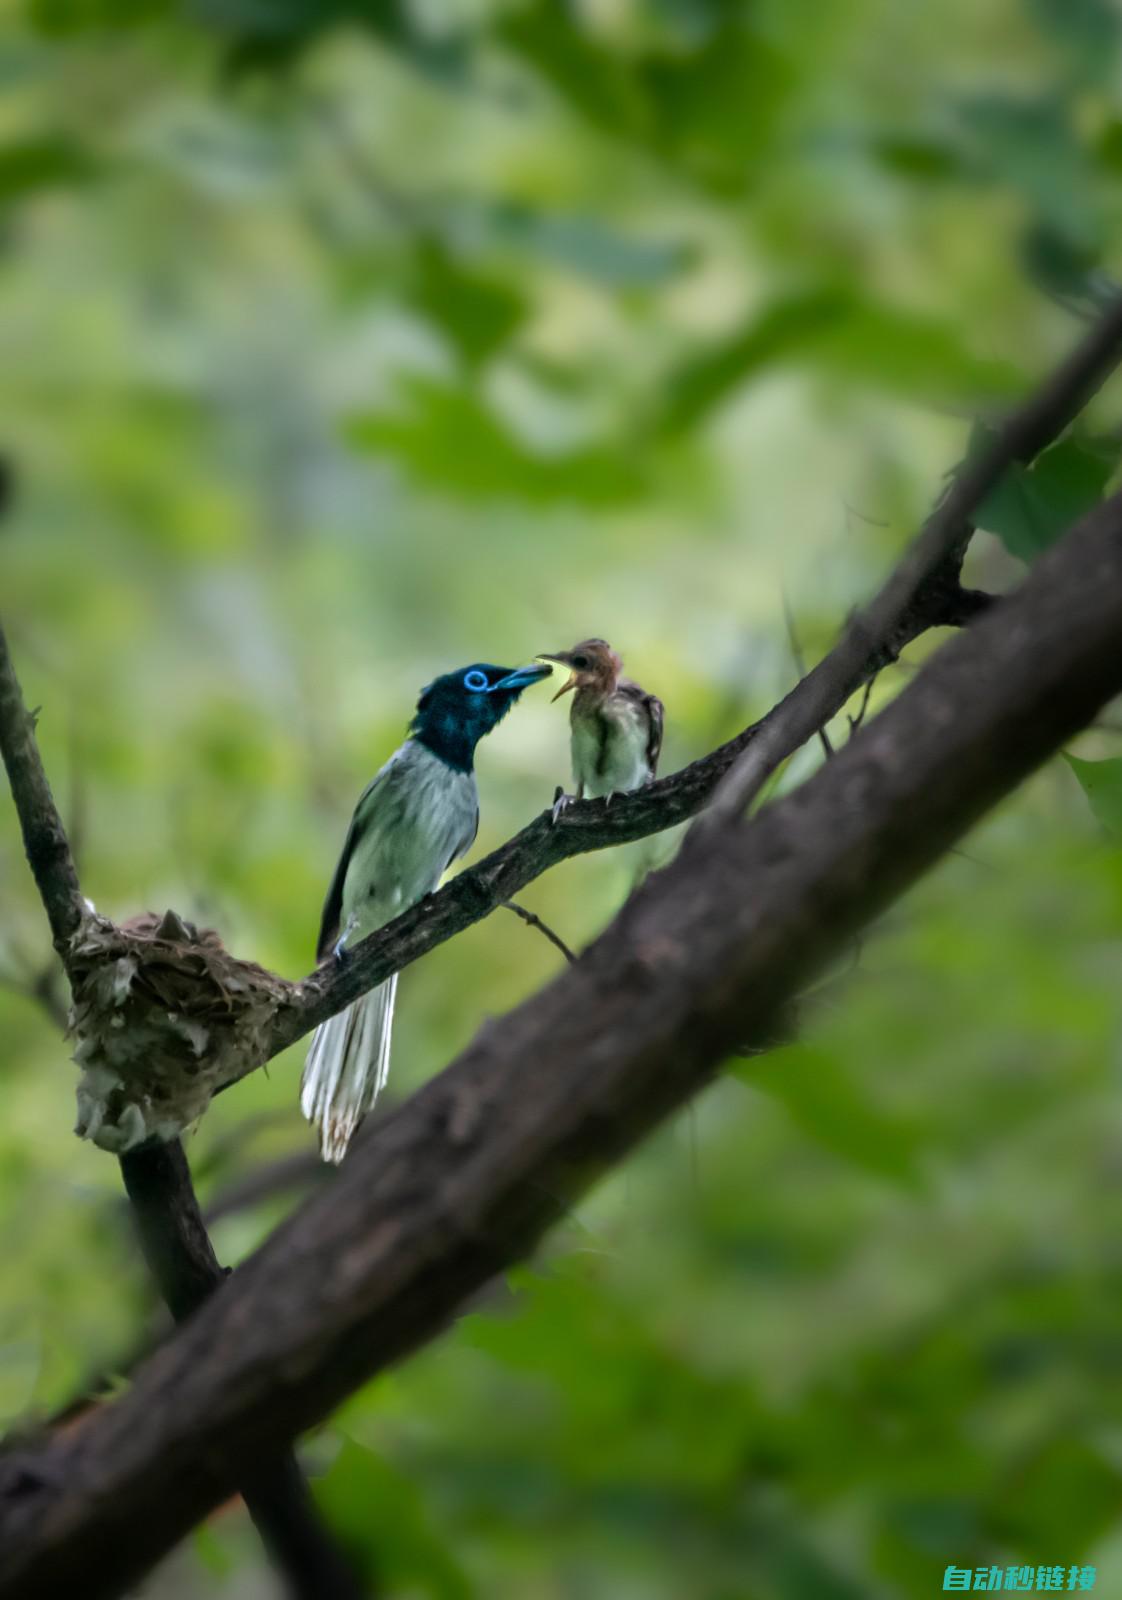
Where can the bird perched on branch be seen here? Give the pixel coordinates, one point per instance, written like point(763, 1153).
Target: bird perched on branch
point(412, 820)
point(616, 727)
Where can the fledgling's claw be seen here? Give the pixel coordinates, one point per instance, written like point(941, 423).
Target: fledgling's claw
point(561, 802)
point(339, 953)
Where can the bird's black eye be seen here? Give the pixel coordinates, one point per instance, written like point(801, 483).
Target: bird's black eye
point(581, 663)
point(475, 680)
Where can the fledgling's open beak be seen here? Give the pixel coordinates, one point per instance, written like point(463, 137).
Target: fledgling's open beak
point(562, 658)
point(522, 677)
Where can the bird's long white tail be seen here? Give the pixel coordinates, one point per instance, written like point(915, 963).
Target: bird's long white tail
point(347, 1065)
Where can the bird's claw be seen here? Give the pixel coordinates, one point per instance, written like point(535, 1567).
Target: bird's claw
point(340, 954)
point(561, 802)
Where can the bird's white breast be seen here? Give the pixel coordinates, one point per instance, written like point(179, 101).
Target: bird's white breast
point(421, 814)
point(612, 758)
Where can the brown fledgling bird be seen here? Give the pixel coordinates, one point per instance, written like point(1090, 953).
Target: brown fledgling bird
point(616, 726)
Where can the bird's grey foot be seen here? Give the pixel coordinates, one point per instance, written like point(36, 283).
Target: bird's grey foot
point(340, 954)
point(561, 802)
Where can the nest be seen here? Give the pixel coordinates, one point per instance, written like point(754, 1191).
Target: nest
point(163, 1016)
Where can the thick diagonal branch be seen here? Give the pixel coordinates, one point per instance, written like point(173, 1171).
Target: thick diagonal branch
point(465, 1176)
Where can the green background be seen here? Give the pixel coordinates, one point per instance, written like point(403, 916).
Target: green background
point(344, 343)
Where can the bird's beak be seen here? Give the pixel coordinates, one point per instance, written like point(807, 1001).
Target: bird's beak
point(562, 657)
point(522, 677)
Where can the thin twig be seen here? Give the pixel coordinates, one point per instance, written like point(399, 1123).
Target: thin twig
point(300, 1169)
point(855, 722)
point(532, 920)
point(800, 665)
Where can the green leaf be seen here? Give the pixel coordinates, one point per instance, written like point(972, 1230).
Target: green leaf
point(1087, 29)
point(212, 1552)
point(599, 84)
point(710, 107)
point(63, 17)
point(833, 330)
point(382, 1519)
point(718, 109)
point(1101, 782)
point(43, 163)
point(478, 313)
point(820, 1095)
point(447, 438)
point(1033, 506)
point(586, 245)
point(789, 323)
point(1068, 269)
point(1031, 147)
point(928, 157)
point(1066, 1491)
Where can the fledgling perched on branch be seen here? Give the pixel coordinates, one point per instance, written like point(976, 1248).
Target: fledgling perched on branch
point(616, 726)
point(412, 820)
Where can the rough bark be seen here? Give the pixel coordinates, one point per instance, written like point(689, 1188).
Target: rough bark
point(182, 1261)
point(465, 1177)
point(44, 839)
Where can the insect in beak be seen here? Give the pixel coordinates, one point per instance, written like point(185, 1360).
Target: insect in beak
point(562, 658)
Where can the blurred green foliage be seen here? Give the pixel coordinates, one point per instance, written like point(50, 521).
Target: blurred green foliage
point(345, 342)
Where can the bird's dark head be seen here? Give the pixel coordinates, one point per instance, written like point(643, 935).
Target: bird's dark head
point(460, 708)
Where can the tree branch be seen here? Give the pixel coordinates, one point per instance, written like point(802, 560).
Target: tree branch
point(532, 920)
point(463, 1178)
point(928, 578)
point(44, 838)
point(157, 1178)
point(182, 1261)
point(923, 592)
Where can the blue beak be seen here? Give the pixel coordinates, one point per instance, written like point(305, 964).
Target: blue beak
point(522, 677)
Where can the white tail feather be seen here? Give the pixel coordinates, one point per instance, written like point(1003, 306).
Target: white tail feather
point(347, 1067)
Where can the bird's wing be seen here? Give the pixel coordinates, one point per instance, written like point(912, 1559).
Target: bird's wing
point(368, 801)
point(467, 840)
point(657, 714)
point(652, 706)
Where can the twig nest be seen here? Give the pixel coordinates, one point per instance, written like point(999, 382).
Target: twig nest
point(163, 1016)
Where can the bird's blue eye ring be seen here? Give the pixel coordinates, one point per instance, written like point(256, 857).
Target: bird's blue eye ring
point(475, 681)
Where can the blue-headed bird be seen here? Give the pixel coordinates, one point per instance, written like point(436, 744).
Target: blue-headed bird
point(616, 727)
point(413, 819)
